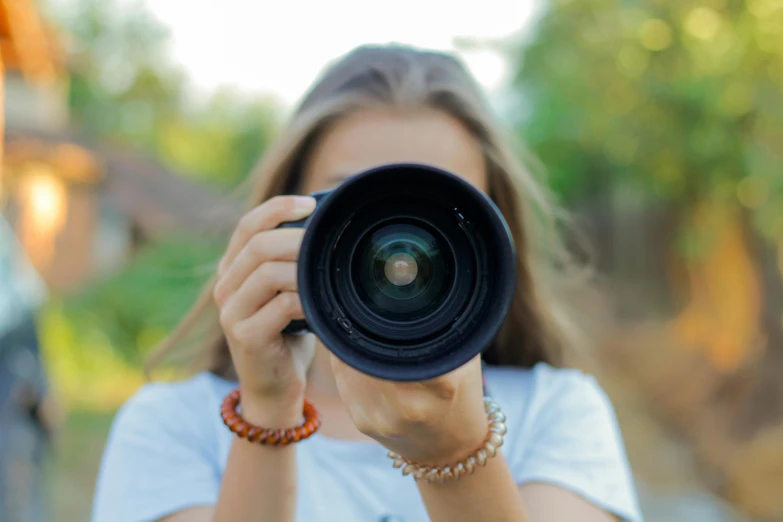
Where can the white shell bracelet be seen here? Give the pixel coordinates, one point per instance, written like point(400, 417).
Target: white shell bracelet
point(494, 440)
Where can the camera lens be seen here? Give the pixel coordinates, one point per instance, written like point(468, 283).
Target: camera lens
point(401, 272)
point(406, 272)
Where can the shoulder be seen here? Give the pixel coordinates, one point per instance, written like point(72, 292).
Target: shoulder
point(170, 401)
point(562, 429)
point(544, 391)
point(560, 408)
point(174, 415)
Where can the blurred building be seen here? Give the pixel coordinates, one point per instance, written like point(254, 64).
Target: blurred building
point(79, 207)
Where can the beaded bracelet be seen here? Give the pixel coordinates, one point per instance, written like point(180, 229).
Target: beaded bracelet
point(266, 436)
point(494, 440)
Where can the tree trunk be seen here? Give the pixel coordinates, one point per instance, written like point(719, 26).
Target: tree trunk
point(762, 405)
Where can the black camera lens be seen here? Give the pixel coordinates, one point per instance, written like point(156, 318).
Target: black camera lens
point(401, 271)
point(406, 272)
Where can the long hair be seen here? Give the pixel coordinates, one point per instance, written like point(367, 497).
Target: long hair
point(401, 77)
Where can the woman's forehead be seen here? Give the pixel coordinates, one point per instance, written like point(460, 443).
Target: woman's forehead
point(376, 137)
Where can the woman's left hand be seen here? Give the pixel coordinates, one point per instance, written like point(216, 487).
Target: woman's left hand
point(435, 422)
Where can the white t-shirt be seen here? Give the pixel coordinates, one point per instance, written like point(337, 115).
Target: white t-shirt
point(168, 449)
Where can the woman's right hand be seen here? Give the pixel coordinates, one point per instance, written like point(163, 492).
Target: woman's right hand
point(256, 293)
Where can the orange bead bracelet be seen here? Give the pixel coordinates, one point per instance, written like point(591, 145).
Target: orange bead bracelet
point(266, 436)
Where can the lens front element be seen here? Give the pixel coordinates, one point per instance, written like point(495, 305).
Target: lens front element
point(401, 271)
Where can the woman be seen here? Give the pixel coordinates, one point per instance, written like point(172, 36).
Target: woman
point(170, 457)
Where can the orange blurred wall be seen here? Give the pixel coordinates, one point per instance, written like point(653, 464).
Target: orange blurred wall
point(2, 122)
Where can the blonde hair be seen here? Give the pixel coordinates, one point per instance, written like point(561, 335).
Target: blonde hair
point(401, 77)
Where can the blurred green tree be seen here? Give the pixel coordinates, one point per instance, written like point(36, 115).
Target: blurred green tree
point(123, 86)
point(680, 101)
point(676, 106)
point(136, 308)
point(675, 109)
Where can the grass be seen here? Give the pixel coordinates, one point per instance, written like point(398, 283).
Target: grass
point(74, 465)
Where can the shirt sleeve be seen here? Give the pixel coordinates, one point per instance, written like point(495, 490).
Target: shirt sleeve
point(158, 459)
point(573, 441)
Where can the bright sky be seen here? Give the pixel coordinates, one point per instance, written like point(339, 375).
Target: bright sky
point(279, 47)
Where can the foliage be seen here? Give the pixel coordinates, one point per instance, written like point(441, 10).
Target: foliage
point(678, 106)
point(121, 82)
point(85, 372)
point(95, 341)
point(220, 140)
point(681, 102)
point(124, 87)
point(134, 309)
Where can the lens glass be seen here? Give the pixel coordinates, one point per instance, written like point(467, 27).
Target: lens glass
point(402, 271)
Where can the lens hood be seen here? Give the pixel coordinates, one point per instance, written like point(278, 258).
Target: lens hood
point(405, 272)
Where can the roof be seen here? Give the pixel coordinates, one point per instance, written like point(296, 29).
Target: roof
point(159, 200)
point(27, 43)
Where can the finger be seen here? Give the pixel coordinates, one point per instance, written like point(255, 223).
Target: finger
point(260, 287)
point(266, 325)
point(354, 386)
point(273, 245)
point(266, 216)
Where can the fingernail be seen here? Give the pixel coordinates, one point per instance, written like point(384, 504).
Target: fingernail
point(304, 205)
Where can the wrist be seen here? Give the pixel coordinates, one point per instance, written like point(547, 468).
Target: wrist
point(454, 467)
point(272, 412)
point(456, 446)
point(453, 441)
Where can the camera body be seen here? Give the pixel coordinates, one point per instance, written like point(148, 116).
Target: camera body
point(405, 272)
